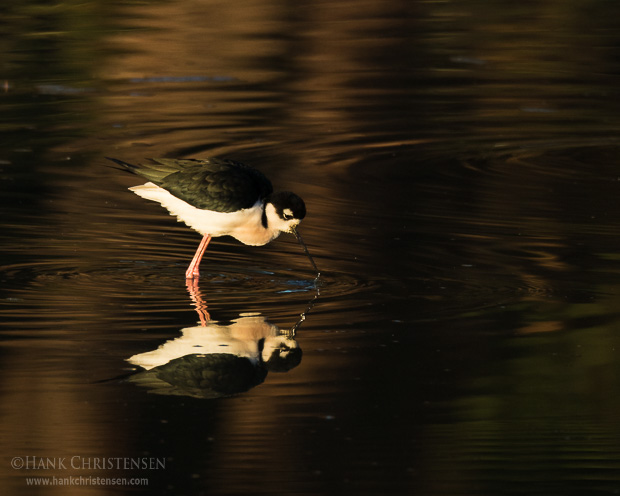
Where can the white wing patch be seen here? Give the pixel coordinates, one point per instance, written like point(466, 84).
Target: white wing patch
point(244, 225)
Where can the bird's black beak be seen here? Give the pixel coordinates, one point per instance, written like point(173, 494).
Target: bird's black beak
point(303, 245)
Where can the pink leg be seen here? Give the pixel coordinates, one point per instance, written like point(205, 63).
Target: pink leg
point(192, 271)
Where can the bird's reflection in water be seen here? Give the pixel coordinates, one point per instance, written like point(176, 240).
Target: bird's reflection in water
point(218, 359)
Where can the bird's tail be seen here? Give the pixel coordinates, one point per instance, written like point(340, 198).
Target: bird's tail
point(154, 173)
point(124, 166)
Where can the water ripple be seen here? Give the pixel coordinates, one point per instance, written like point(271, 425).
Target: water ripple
point(78, 293)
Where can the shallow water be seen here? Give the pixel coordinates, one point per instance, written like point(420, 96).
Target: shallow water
point(459, 162)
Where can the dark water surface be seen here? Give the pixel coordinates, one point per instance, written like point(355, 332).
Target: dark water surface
point(459, 161)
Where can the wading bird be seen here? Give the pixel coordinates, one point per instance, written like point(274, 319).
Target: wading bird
point(219, 197)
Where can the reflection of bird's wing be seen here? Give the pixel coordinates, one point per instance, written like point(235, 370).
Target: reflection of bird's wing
point(214, 184)
point(202, 376)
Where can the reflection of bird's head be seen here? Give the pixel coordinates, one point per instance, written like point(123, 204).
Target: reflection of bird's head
point(281, 353)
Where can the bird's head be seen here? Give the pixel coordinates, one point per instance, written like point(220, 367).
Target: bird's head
point(284, 211)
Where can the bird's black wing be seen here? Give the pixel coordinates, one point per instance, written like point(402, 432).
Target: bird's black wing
point(215, 184)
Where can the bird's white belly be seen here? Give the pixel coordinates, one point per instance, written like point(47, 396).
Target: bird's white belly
point(244, 225)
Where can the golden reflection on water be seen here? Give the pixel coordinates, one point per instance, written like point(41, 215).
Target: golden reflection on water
point(459, 163)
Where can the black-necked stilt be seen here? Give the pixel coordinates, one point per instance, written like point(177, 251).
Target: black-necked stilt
point(219, 197)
